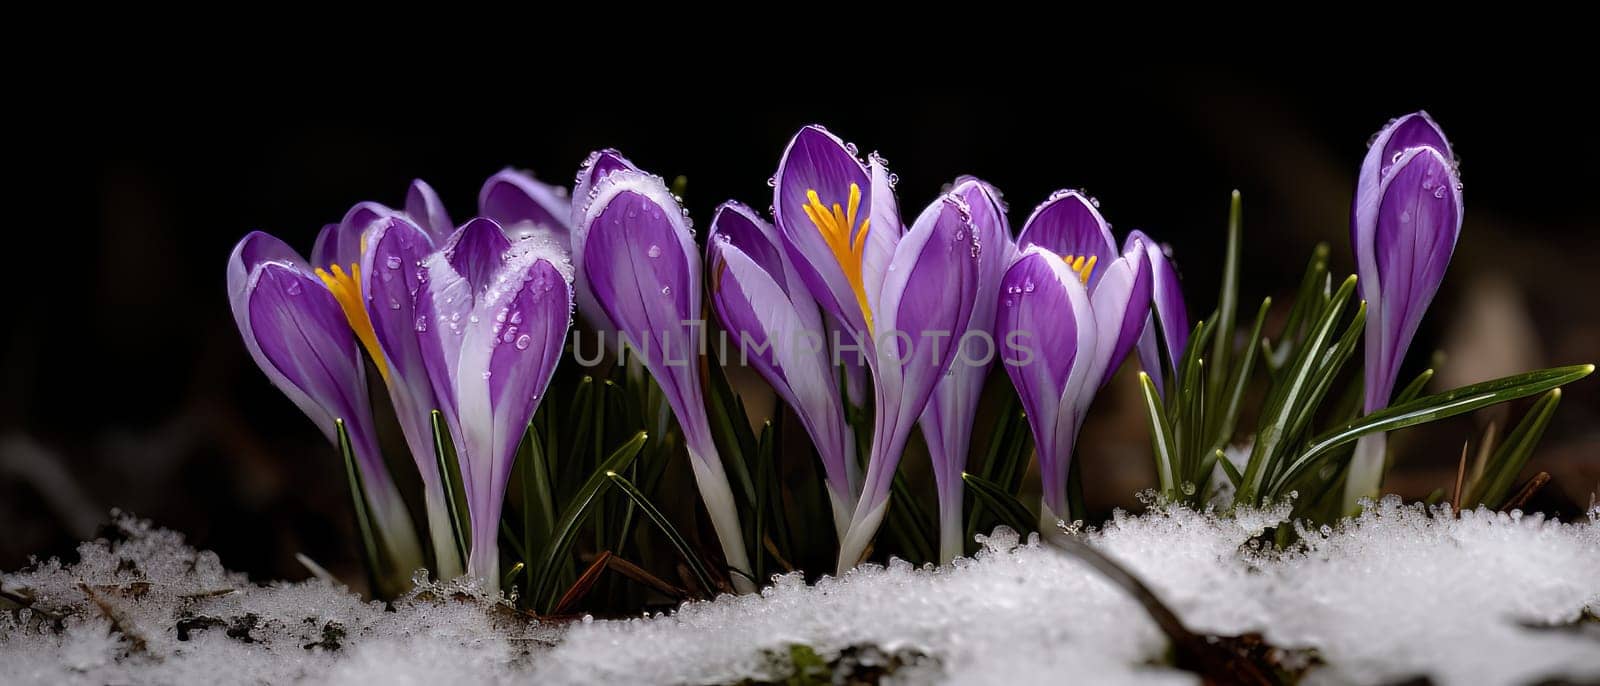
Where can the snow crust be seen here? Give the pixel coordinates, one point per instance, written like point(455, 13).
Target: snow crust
point(1398, 593)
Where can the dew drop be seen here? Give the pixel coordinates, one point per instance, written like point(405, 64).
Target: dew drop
point(293, 288)
point(666, 290)
point(394, 304)
point(524, 341)
point(851, 149)
point(654, 251)
point(393, 262)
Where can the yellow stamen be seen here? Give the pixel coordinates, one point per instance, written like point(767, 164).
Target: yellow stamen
point(1081, 266)
point(836, 224)
point(346, 289)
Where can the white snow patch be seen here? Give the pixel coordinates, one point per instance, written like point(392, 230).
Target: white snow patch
point(1399, 592)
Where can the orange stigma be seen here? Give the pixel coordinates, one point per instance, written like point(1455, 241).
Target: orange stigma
point(836, 226)
point(346, 288)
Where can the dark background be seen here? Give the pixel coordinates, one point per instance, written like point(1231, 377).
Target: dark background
point(123, 382)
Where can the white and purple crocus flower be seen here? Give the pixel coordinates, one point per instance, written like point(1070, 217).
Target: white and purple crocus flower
point(636, 253)
point(901, 295)
point(469, 321)
point(1403, 229)
point(1071, 308)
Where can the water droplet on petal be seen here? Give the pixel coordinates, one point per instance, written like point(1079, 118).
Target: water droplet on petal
point(393, 262)
point(666, 290)
point(654, 251)
point(524, 341)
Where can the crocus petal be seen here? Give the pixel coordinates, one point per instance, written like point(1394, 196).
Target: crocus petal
point(1121, 302)
point(886, 229)
point(1167, 299)
point(512, 343)
point(301, 340)
point(255, 248)
point(817, 162)
point(455, 277)
point(597, 166)
point(927, 297)
point(1418, 222)
point(739, 225)
point(783, 341)
point(643, 269)
point(1047, 334)
point(1412, 130)
point(392, 277)
point(947, 421)
point(1070, 224)
point(525, 206)
point(427, 212)
point(341, 243)
point(634, 249)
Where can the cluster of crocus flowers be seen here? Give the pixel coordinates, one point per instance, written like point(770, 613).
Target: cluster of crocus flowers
point(1403, 229)
point(469, 321)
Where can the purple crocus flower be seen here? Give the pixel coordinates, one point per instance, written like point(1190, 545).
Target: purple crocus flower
point(1070, 310)
point(779, 330)
point(385, 275)
point(900, 296)
point(298, 332)
point(390, 278)
point(1403, 228)
point(947, 421)
point(635, 251)
point(1169, 312)
point(490, 322)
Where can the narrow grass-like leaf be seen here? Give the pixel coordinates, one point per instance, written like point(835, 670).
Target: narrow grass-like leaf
point(511, 575)
point(1226, 417)
point(577, 510)
point(1231, 471)
point(1227, 302)
point(651, 512)
point(768, 492)
point(1161, 439)
point(1287, 395)
point(1306, 302)
point(358, 498)
point(1413, 389)
point(1502, 469)
point(1007, 448)
point(449, 476)
point(1005, 506)
point(1439, 406)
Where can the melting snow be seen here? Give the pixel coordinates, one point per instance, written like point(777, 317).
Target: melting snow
point(1399, 593)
